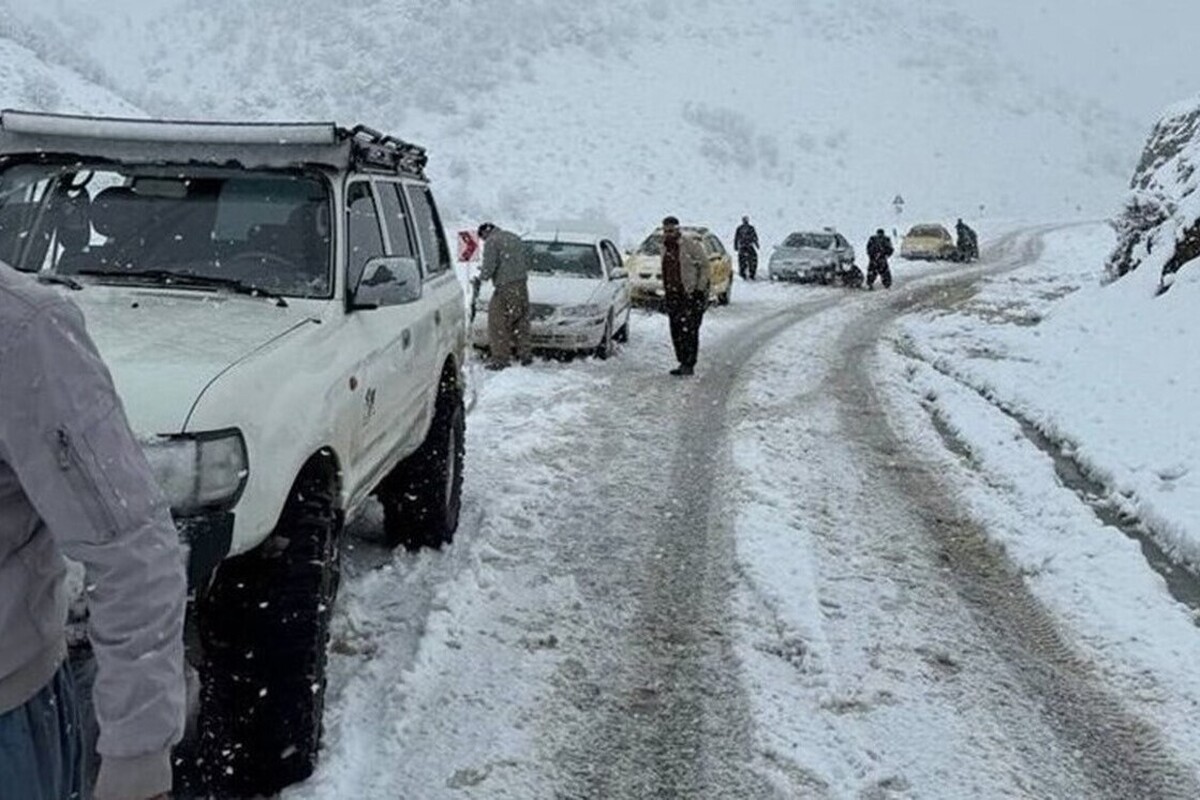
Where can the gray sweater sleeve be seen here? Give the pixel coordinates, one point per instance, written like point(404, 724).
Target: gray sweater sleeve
point(65, 435)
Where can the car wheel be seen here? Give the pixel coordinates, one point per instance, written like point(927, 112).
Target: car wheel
point(605, 348)
point(622, 334)
point(264, 630)
point(422, 496)
point(724, 297)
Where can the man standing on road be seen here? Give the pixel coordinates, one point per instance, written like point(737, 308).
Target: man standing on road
point(968, 244)
point(685, 283)
point(74, 481)
point(506, 265)
point(879, 250)
point(745, 241)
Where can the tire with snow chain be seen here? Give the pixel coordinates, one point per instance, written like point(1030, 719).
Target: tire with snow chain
point(264, 630)
point(422, 496)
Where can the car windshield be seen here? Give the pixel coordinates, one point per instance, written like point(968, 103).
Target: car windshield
point(928, 231)
point(575, 260)
point(261, 229)
point(653, 245)
point(819, 241)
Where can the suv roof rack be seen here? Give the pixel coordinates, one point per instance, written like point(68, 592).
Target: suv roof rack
point(265, 143)
point(371, 149)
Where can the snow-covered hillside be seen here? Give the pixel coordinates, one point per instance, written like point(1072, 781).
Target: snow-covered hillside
point(798, 113)
point(27, 81)
point(1159, 227)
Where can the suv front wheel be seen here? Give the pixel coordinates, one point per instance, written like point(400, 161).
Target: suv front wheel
point(422, 496)
point(264, 628)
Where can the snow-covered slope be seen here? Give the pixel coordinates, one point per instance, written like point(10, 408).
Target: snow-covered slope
point(798, 113)
point(26, 81)
point(1159, 227)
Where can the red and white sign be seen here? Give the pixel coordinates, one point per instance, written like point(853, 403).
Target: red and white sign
point(468, 245)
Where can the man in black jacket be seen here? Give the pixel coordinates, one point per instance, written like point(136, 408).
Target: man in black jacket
point(879, 250)
point(745, 241)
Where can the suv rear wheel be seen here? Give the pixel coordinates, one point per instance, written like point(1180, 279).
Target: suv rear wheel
point(264, 629)
point(422, 496)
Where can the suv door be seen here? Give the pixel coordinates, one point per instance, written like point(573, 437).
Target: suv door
point(386, 348)
point(444, 293)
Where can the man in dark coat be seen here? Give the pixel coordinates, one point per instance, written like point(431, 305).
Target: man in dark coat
point(968, 244)
point(685, 284)
point(745, 241)
point(879, 250)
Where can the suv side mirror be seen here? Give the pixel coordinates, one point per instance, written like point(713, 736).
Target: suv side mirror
point(618, 274)
point(387, 281)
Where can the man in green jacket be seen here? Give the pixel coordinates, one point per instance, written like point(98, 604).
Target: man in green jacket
point(685, 283)
point(506, 265)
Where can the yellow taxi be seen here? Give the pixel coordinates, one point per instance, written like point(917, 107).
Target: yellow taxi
point(931, 242)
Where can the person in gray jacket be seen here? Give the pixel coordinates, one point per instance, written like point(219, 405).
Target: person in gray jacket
point(685, 284)
point(506, 265)
point(75, 482)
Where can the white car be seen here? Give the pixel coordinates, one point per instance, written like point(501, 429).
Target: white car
point(277, 307)
point(578, 295)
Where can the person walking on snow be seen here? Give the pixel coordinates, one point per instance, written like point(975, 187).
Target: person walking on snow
point(685, 284)
point(506, 265)
point(74, 481)
point(745, 242)
point(879, 250)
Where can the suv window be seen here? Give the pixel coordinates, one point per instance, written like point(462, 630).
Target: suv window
point(429, 230)
point(396, 220)
point(262, 228)
point(364, 239)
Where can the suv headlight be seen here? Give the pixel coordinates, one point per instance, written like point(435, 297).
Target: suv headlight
point(590, 310)
point(201, 471)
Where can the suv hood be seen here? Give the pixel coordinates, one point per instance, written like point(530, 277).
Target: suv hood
point(164, 346)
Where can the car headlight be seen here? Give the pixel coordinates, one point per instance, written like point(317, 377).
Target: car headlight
point(590, 310)
point(200, 472)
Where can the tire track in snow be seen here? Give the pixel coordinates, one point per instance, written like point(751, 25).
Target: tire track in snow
point(1123, 756)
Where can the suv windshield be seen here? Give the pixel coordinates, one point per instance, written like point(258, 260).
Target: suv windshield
point(261, 229)
point(578, 260)
point(932, 231)
point(819, 241)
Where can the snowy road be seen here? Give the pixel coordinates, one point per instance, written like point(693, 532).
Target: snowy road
point(741, 585)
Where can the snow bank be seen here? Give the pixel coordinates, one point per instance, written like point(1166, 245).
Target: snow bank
point(1108, 372)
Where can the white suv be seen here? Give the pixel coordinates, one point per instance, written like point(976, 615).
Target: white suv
point(277, 306)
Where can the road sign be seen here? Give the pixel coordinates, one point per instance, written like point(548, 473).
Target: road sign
point(468, 245)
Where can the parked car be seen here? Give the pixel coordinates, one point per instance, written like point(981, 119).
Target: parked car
point(277, 307)
point(820, 256)
point(645, 267)
point(578, 295)
point(931, 242)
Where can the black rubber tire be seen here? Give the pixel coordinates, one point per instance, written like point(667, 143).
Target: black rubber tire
point(604, 350)
point(264, 631)
point(622, 334)
point(724, 298)
point(422, 497)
